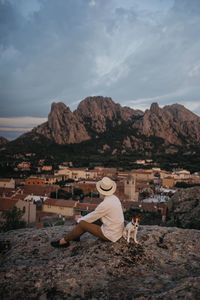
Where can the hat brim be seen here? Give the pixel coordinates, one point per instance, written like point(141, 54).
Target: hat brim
point(104, 192)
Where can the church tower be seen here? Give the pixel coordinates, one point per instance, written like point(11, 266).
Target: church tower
point(130, 188)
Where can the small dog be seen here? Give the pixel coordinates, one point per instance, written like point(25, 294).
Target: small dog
point(130, 231)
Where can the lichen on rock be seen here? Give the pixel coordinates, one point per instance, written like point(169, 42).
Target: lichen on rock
point(164, 265)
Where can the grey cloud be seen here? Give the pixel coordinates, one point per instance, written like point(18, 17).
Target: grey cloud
point(67, 50)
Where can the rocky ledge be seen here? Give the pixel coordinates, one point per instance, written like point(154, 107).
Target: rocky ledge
point(165, 265)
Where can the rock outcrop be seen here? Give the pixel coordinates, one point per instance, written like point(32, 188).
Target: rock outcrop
point(165, 265)
point(62, 126)
point(174, 124)
point(3, 140)
point(99, 121)
point(100, 113)
point(184, 208)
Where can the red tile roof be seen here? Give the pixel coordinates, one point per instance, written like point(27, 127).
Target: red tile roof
point(40, 189)
point(19, 196)
point(145, 206)
point(5, 179)
point(60, 202)
point(86, 206)
point(6, 203)
point(7, 192)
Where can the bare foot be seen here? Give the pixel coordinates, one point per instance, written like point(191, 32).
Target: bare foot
point(62, 241)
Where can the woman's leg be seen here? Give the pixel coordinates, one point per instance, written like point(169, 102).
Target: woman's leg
point(83, 227)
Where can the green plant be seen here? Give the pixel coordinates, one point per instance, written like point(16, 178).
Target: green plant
point(59, 223)
point(46, 224)
point(12, 219)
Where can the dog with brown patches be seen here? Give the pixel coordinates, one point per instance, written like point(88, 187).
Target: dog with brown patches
point(130, 231)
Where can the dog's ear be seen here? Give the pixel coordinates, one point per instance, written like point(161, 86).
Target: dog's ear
point(138, 217)
point(134, 217)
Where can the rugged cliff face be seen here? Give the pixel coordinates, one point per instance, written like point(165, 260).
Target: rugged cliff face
point(62, 126)
point(97, 113)
point(100, 126)
point(165, 265)
point(173, 126)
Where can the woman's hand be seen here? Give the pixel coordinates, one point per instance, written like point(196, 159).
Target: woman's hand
point(76, 217)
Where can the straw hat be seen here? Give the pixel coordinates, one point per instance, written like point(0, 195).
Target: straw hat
point(106, 186)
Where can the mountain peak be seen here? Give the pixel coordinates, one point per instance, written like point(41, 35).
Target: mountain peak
point(58, 106)
point(180, 112)
point(102, 121)
point(155, 107)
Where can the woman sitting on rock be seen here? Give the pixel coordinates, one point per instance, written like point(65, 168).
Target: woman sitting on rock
point(109, 211)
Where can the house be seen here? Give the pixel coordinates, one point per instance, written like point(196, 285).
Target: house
point(34, 180)
point(122, 174)
point(181, 174)
point(78, 174)
point(148, 207)
point(87, 186)
point(47, 168)
point(28, 208)
point(108, 172)
point(24, 166)
point(39, 189)
point(141, 174)
point(7, 183)
point(52, 179)
point(168, 182)
point(7, 192)
point(59, 206)
point(65, 172)
point(140, 162)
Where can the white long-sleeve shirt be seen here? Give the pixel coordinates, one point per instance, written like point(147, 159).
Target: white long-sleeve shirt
point(111, 214)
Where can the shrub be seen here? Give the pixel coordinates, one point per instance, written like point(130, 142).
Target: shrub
point(59, 223)
point(12, 219)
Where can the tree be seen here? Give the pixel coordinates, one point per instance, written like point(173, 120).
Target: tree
point(12, 219)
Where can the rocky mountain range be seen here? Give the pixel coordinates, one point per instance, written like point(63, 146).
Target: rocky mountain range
point(94, 115)
point(101, 126)
point(122, 128)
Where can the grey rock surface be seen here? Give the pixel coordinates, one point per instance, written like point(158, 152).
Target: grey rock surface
point(165, 265)
point(184, 208)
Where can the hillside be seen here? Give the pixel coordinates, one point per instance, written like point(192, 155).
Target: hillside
point(3, 140)
point(165, 265)
point(99, 129)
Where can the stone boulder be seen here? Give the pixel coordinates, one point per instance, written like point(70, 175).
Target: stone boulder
point(164, 265)
point(184, 208)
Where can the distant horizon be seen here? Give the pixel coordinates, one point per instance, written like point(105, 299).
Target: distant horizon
point(12, 133)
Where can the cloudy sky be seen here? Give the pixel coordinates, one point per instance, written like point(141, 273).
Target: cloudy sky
point(135, 51)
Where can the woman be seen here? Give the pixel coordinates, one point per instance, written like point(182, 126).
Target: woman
point(109, 211)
